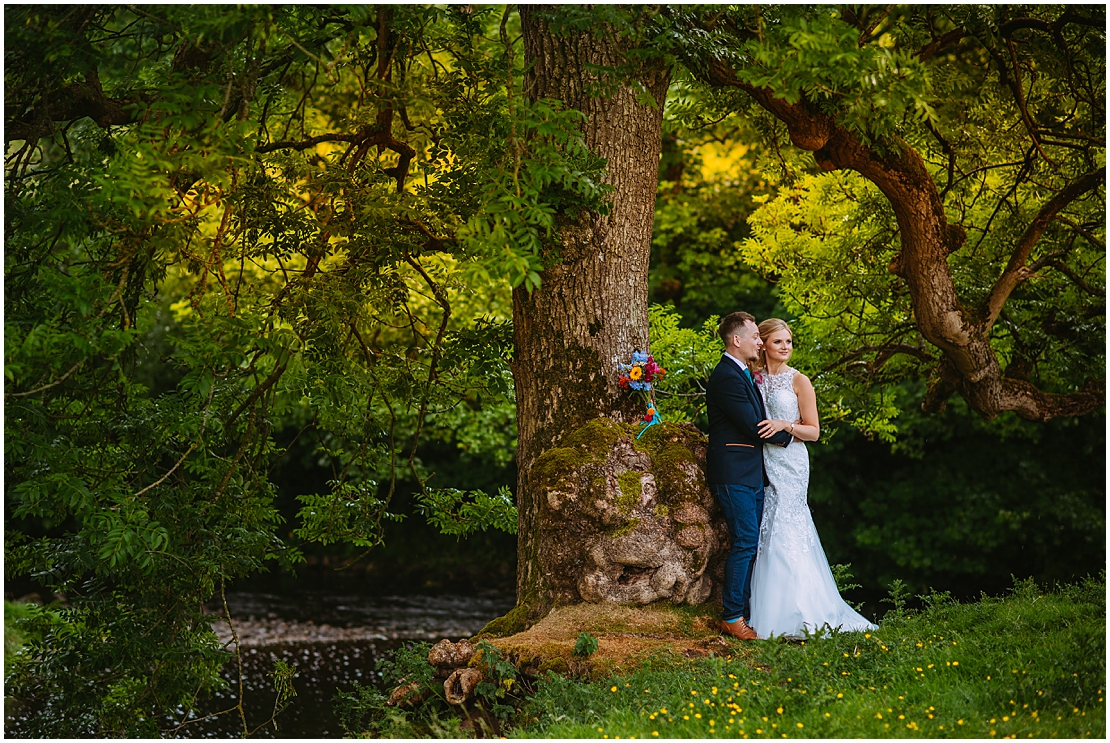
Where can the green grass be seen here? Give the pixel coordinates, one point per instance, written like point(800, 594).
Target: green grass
point(1030, 664)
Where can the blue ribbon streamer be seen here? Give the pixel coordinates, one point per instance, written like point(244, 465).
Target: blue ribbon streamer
point(655, 419)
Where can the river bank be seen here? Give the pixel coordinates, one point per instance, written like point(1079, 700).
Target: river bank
point(1031, 663)
point(333, 639)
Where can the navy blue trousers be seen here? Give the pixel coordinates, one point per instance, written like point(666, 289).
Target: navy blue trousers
point(743, 510)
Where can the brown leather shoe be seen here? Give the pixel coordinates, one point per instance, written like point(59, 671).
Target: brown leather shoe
point(738, 629)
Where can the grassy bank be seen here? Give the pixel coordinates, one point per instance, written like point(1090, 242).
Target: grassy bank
point(1029, 664)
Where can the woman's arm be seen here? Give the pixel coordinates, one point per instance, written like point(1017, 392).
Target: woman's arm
point(806, 429)
point(809, 429)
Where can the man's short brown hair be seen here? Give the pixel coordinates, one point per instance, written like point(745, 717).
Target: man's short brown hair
point(731, 324)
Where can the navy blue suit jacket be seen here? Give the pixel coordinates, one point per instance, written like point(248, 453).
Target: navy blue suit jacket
point(735, 409)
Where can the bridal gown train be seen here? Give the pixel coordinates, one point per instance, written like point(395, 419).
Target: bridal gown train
point(792, 585)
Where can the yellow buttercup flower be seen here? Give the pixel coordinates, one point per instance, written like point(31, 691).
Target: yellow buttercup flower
point(636, 372)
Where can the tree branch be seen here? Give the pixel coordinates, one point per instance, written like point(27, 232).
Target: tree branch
point(1008, 28)
point(943, 42)
point(441, 299)
point(885, 352)
point(947, 147)
point(173, 469)
point(969, 364)
point(55, 383)
point(435, 242)
point(257, 392)
point(1015, 271)
point(941, 388)
point(74, 101)
point(1019, 97)
point(306, 143)
point(1033, 404)
point(1076, 278)
point(1048, 258)
point(870, 32)
point(1079, 229)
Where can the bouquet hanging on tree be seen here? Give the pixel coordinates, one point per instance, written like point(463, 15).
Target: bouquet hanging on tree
point(639, 376)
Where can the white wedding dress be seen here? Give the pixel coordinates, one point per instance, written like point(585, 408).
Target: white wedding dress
point(792, 586)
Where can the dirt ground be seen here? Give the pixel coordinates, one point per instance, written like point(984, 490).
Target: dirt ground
point(626, 636)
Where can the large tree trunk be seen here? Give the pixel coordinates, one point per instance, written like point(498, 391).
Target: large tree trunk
point(590, 312)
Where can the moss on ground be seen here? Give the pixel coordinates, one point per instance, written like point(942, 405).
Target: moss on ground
point(557, 664)
point(509, 624)
point(627, 637)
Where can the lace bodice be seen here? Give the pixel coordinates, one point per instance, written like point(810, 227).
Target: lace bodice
point(778, 395)
point(785, 504)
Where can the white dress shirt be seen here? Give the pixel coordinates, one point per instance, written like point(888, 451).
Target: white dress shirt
point(739, 363)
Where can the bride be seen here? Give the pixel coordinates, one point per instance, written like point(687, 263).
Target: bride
point(792, 586)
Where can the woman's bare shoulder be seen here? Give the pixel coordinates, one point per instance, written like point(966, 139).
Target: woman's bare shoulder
point(801, 382)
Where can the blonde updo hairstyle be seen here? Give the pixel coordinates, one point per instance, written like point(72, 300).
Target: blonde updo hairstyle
point(766, 328)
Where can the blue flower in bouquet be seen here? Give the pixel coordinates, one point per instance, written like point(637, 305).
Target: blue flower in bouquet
point(641, 373)
point(638, 375)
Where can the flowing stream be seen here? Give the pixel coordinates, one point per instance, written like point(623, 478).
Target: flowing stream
point(334, 640)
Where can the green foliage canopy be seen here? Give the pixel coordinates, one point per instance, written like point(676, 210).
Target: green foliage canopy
point(223, 223)
point(968, 245)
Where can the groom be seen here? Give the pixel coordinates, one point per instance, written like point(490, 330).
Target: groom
point(734, 470)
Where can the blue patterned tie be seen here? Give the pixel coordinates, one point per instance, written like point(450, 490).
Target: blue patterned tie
point(748, 374)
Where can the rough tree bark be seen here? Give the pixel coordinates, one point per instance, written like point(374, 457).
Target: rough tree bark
point(589, 314)
point(591, 310)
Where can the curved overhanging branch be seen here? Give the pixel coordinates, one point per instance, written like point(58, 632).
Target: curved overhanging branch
point(1016, 270)
point(1031, 403)
point(77, 100)
point(884, 352)
point(970, 365)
